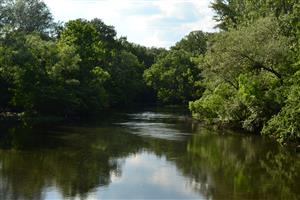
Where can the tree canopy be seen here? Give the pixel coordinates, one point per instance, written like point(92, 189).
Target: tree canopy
point(26, 16)
point(251, 67)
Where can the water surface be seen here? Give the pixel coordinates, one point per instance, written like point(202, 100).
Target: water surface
point(148, 154)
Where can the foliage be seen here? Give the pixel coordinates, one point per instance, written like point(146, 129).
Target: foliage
point(195, 42)
point(244, 68)
point(234, 13)
point(285, 126)
point(84, 37)
point(126, 78)
point(174, 76)
point(26, 16)
point(250, 73)
point(146, 56)
point(82, 69)
point(39, 73)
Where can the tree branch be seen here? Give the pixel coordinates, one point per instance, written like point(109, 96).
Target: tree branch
point(259, 65)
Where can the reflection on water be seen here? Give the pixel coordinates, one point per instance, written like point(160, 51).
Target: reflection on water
point(244, 167)
point(148, 154)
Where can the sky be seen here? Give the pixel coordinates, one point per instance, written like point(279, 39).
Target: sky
point(158, 23)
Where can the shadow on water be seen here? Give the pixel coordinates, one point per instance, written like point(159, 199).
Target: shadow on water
point(143, 154)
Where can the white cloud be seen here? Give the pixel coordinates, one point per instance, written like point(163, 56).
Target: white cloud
point(158, 23)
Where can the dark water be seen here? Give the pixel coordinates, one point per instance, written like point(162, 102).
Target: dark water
point(150, 154)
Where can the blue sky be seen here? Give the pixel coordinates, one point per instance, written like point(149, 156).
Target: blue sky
point(159, 23)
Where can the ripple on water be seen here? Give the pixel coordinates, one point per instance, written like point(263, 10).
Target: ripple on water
point(150, 124)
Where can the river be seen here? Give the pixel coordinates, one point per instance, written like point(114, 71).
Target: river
point(143, 154)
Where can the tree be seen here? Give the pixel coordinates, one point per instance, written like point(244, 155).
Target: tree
point(244, 75)
point(146, 56)
point(83, 35)
point(41, 75)
point(195, 42)
point(234, 13)
point(26, 15)
point(227, 13)
point(126, 82)
point(106, 34)
point(285, 126)
point(175, 77)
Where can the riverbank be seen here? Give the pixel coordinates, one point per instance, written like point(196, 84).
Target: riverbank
point(13, 117)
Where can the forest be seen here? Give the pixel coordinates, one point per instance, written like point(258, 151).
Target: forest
point(246, 74)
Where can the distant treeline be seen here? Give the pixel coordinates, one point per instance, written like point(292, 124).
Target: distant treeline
point(247, 73)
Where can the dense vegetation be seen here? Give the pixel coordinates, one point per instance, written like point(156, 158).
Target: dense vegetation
point(251, 69)
point(78, 68)
point(246, 74)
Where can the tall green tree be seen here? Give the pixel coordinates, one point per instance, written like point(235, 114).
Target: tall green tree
point(40, 74)
point(83, 35)
point(26, 15)
point(244, 75)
